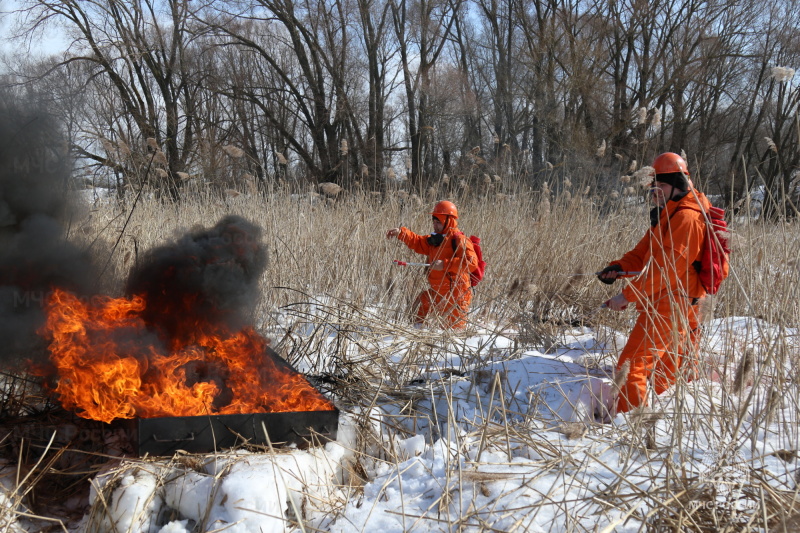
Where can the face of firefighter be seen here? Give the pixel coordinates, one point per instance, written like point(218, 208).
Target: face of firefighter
point(661, 193)
point(438, 226)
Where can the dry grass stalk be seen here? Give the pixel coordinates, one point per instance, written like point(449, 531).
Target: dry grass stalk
point(330, 189)
point(601, 150)
point(771, 144)
point(574, 430)
point(644, 176)
point(124, 149)
point(233, 151)
point(782, 74)
point(744, 372)
point(160, 158)
point(621, 376)
point(655, 121)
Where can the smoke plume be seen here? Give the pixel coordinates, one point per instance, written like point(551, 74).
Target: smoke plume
point(34, 253)
point(205, 281)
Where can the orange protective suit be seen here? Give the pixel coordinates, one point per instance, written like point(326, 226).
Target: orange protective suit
point(450, 294)
point(666, 296)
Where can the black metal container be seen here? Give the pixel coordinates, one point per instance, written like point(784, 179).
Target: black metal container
point(206, 434)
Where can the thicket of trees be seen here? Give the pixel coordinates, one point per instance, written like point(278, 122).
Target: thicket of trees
point(370, 92)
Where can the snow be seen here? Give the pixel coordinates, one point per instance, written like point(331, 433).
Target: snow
point(522, 441)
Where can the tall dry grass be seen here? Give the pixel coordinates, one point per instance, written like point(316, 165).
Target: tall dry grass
point(534, 243)
point(338, 249)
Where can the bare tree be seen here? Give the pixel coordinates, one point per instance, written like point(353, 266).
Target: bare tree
point(319, 89)
point(498, 17)
point(312, 86)
point(141, 48)
point(422, 28)
point(374, 17)
point(463, 42)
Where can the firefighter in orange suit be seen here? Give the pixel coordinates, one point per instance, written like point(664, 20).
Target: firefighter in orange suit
point(667, 293)
point(451, 257)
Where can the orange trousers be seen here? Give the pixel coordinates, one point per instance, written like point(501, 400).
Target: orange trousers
point(451, 307)
point(659, 347)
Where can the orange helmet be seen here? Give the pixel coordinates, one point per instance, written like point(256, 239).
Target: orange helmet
point(445, 208)
point(669, 162)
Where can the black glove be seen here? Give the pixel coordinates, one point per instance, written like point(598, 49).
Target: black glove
point(609, 268)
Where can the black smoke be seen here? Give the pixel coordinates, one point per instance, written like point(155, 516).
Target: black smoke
point(35, 255)
point(205, 281)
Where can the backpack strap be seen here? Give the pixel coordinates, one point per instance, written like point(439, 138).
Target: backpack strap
point(456, 235)
point(707, 214)
point(696, 264)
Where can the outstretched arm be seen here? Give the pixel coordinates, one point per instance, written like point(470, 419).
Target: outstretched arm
point(418, 243)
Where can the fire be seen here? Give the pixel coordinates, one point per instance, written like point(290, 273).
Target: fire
point(110, 365)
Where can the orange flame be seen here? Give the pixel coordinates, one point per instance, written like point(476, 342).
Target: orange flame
point(110, 366)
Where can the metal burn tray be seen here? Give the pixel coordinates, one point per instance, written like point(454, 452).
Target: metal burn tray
point(205, 434)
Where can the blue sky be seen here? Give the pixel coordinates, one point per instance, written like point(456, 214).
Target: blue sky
point(49, 42)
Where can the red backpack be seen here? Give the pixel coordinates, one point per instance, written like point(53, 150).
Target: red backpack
point(716, 250)
point(712, 267)
point(476, 275)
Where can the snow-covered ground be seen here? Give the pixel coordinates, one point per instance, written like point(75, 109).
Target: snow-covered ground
point(492, 436)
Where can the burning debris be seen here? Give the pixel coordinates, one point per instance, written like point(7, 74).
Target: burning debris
point(181, 343)
point(177, 355)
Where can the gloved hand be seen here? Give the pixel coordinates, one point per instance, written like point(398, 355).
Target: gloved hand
point(617, 303)
point(609, 274)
